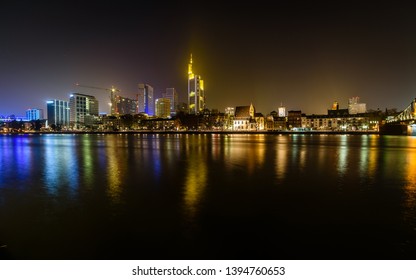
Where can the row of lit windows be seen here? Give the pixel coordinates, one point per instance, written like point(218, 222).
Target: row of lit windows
point(241, 122)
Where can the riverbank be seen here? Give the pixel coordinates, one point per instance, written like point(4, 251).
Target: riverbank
point(312, 132)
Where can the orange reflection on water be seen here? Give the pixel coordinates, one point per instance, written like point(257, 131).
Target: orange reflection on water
point(410, 187)
point(281, 162)
point(243, 152)
point(342, 155)
point(368, 156)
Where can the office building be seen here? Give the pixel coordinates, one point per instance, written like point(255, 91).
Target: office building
point(146, 103)
point(58, 113)
point(82, 108)
point(34, 114)
point(123, 105)
point(196, 93)
point(173, 96)
point(163, 107)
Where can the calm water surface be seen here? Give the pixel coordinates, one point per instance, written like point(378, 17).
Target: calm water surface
point(156, 196)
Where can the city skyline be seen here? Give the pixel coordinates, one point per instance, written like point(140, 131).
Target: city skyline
point(306, 56)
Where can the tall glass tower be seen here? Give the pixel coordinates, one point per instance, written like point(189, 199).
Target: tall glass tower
point(146, 104)
point(196, 94)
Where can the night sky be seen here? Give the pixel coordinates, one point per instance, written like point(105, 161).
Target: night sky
point(304, 55)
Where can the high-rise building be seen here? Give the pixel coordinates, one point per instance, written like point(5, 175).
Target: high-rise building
point(123, 105)
point(82, 107)
point(34, 114)
point(196, 94)
point(146, 103)
point(163, 107)
point(173, 96)
point(58, 113)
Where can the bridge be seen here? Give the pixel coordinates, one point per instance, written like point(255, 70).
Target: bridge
point(402, 124)
point(407, 116)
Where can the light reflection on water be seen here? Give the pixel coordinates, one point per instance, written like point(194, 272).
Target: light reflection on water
point(61, 164)
point(154, 184)
point(410, 184)
point(195, 183)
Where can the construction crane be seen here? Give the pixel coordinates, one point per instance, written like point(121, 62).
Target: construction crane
point(111, 90)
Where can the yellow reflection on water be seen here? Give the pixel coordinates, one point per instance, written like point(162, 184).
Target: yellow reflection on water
point(342, 155)
point(114, 174)
point(368, 156)
point(281, 162)
point(410, 187)
point(195, 182)
point(87, 162)
point(244, 152)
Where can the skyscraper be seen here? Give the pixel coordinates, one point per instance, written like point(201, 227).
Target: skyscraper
point(82, 106)
point(196, 94)
point(146, 103)
point(58, 113)
point(173, 96)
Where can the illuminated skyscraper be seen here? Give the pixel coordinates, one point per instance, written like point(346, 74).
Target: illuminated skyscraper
point(173, 96)
point(82, 107)
point(196, 94)
point(58, 113)
point(146, 104)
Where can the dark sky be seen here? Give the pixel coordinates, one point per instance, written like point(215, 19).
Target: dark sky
point(304, 55)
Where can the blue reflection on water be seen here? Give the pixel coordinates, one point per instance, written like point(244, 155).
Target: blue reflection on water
point(61, 169)
point(16, 160)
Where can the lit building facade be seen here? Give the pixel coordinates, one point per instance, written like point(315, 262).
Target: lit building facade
point(58, 113)
point(163, 107)
point(355, 107)
point(281, 111)
point(196, 93)
point(34, 114)
point(229, 111)
point(294, 119)
point(146, 103)
point(123, 105)
point(244, 118)
point(173, 96)
point(82, 108)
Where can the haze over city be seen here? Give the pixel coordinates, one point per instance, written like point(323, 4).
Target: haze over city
point(302, 55)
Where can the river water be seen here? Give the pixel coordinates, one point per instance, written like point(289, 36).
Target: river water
point(207, 196)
